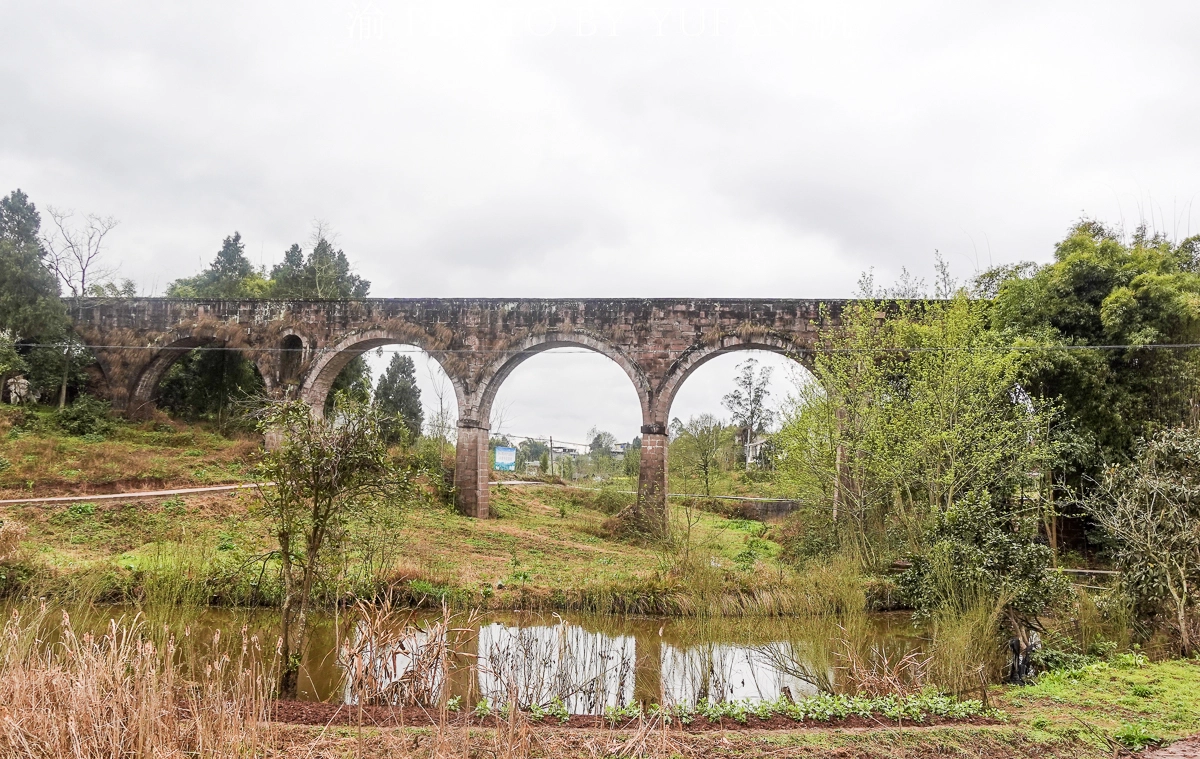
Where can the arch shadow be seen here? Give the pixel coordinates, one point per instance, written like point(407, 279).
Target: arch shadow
point(143, 397)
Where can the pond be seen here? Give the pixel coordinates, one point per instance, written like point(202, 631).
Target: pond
point(585, 663)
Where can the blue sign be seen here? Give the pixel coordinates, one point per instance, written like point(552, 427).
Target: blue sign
point(506, 459)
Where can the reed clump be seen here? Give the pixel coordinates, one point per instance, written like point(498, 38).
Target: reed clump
point(124, 693)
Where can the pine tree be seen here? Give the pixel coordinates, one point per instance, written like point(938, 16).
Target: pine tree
point(29, 300)
point(399, 399)
point(230, 275)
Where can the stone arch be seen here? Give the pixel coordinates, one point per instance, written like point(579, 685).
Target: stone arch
point(697, 356)
point(145, 385)
point(499, 370)
point(292, 352)
point(329, 362)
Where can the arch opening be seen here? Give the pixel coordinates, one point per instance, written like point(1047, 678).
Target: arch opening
point(354, 364)
point(208, 382)
point(722, 411)
point(411, 388)
point(291, 355)
point(567, 408)
point(702, 385)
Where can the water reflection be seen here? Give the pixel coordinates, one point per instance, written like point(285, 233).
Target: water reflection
point(586, 662)
point(725, 672)
point(540, 664)
point(406, 667)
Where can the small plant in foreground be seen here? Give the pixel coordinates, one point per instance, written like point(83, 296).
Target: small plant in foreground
point(824, 707)
point(1136, 737)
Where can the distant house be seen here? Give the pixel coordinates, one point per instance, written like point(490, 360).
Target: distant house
point(618, 449)
point(759, 450)
point(564, 450)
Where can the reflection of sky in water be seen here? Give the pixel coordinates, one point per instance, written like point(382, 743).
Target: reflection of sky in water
point(587, 671)
point(724, 672)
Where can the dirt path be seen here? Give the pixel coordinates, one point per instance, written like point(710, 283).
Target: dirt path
point(1185, 749)
point(128, 496)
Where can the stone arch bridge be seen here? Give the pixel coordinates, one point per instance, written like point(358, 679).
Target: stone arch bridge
point(299, 347)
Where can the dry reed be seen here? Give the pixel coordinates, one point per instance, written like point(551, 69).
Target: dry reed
point(122, 693)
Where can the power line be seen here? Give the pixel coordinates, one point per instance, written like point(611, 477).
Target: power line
point(540, 439)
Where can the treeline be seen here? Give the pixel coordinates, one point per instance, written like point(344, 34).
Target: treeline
point(213, 385)
point(43, 272)
point(980, 440)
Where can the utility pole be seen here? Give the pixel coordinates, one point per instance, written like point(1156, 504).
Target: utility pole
point(551, 455)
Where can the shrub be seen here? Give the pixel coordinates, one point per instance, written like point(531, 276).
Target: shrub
point(975, 556)
point(610, 501)
point(807, 534)
point(88, 415)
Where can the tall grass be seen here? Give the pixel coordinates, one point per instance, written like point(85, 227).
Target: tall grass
point(967, 648)
point(122, 693)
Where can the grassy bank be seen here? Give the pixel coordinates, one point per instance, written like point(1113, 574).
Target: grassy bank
point(1125, 702)
point(545, 548)
point(39, 459)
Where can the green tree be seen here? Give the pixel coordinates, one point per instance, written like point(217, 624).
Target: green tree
point(907, 416)
point(399, 400)
point(205, 383)
point(1101, 291)
point(600, 443)
point(11, 363)
point(230, 275)
point(748, 403)
point(701, 447)
point(533, 450)
point(1150, 507)
point(600, 454)
point(30, 307)
point(324, 472)
point(987, 550)
point(210, 385)
point(323, 274)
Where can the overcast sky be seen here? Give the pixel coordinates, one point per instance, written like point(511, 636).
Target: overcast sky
point(603, 149)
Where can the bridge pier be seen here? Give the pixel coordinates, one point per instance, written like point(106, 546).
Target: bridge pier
point(650, 510)
point(472, 466)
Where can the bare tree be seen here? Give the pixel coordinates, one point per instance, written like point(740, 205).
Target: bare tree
point(748, 403)
point(74, 253)
point(498, 417)
point(441, 422)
